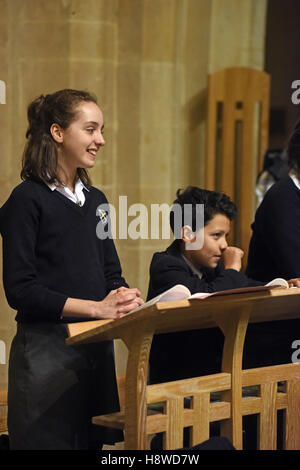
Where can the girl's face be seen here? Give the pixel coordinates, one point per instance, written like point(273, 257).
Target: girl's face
point(80, 142)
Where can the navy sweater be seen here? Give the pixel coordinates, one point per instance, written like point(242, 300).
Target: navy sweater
point(51, 252)
point(274, 249)
point(169, 268)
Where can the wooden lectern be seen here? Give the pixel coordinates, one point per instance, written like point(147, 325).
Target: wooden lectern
point(276, 387)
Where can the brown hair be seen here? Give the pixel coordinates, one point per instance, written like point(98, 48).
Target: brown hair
point(40, 153)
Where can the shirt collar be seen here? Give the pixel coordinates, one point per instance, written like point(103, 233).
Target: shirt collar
point(79, 185)
point(295, 179)
point(195, 270)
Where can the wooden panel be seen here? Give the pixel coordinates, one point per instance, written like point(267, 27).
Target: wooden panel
point(238, 89)
point(161, 392)
point(268, 417)
point(200, 430)
point(3, 410)
point(292, 415)
point(270, 374)
point(173, 438)
point(139, 344)
point(3, 397)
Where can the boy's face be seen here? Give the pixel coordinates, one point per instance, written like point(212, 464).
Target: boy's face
point(214, 243)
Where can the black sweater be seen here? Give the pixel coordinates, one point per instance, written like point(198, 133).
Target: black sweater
point(274, 249)
point(51, 252)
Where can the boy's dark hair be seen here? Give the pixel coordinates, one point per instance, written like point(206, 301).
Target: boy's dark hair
point(214, 203)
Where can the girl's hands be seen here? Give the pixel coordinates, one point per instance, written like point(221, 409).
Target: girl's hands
point(115, 305)
point(118, 303)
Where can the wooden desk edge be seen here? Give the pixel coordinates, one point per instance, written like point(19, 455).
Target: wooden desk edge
point(80, 331)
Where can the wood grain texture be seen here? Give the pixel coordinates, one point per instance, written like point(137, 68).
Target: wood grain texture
point(3, 410)
point(236, 140)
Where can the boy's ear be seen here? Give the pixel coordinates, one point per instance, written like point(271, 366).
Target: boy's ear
point(57, 133)
point(187, 234)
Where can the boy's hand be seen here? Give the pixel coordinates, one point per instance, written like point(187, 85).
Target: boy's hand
point(232, 258)
point(294, 282)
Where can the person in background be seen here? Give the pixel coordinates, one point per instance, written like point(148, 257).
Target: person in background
point(274, 251)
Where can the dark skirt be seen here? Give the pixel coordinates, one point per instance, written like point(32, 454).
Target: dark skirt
point(54, 390)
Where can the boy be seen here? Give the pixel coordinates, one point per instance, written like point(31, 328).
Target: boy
point(212, 267)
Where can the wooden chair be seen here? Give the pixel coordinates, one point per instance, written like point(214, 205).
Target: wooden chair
point(237, 139)
point(265, 391)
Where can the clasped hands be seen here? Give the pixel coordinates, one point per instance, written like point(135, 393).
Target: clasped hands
point(120, 301)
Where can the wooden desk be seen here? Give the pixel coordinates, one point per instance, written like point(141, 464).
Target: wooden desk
point(232, 314)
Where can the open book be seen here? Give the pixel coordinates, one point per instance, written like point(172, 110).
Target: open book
point(180, 292)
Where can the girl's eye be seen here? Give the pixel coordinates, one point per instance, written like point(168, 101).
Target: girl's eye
point(90, 130)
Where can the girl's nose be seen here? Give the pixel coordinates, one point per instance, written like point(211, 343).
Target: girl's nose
point(99, 138)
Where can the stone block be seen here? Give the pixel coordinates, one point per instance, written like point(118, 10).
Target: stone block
point(130, 32)
point(93, 40)
point(98, 77)
point(94, 10)
point(157, 94)
point(40, 77)
point(128, 92)
point(44, 40)
point(43, 10)
point(159, 30)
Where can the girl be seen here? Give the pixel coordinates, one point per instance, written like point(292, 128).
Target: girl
point(55, 271)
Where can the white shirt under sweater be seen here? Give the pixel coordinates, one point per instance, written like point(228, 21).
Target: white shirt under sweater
point(77, 197)
point(295, 179)
point(195, 270)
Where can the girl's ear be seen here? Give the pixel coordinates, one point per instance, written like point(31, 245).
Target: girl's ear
point(57, 133)
point(187, 234)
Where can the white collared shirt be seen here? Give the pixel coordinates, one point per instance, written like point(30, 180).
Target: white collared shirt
point(295, 179)
point(195, 270)
point(77, 197)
